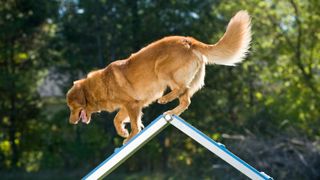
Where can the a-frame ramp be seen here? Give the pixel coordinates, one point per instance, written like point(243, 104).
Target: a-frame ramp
point(123, 153)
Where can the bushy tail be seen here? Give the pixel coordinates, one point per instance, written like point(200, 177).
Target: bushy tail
point(234, 44)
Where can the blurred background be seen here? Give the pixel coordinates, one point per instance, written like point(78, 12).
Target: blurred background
point(265, 110)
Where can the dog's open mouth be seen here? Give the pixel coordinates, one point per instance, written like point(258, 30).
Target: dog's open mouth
point(83, 116)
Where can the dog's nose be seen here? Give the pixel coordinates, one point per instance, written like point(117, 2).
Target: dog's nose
point(73, 122)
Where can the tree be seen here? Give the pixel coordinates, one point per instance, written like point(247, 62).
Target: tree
point(25, 27)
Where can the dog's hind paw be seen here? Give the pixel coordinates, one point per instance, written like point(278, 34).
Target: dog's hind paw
point(162, 100)
point(173, 112)
point(169, 113)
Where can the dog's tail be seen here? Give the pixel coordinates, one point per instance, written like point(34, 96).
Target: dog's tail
point(234, 44)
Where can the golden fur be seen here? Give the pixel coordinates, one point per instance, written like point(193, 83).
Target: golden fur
point(176, 62)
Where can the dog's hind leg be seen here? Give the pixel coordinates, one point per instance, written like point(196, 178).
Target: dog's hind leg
point(180, 80)
point(196, 84)
point(176, 92)
point(121, 118)
point(184, 102)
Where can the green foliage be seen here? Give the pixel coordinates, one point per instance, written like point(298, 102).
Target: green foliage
point(24, 30)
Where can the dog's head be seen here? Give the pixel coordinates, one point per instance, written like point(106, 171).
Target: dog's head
point(77, 103)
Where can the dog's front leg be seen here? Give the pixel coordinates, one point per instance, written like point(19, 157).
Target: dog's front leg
point(134, 112)
point(121, 118)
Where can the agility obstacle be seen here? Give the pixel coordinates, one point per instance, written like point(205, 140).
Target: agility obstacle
point(123, 153)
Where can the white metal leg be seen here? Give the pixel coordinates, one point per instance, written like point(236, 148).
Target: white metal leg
point(218, 149)
point(120, 155)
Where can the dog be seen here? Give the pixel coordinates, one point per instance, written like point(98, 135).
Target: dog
point(176, 62)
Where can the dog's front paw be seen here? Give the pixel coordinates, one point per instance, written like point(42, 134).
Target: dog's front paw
point(132, 134)
point(124, 133)
point(162, 100)
point(125, 141)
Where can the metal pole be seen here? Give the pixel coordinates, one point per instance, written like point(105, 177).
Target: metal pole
point(123, 153)
point(218, 149)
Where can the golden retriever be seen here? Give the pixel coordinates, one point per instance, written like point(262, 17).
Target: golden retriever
point(176, 62)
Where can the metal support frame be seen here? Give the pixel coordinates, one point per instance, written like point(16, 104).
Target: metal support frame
point(124, 152)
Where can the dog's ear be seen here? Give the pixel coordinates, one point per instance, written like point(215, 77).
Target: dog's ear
point(76, 94)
